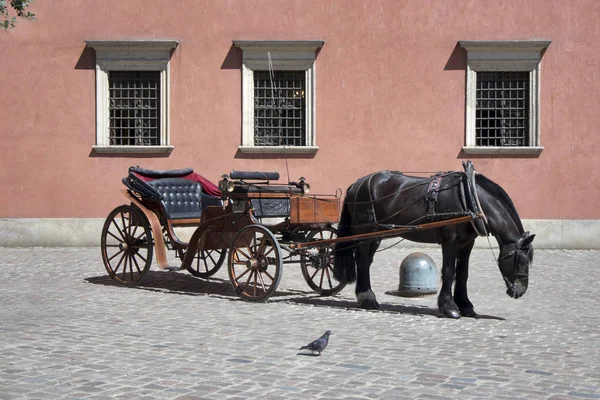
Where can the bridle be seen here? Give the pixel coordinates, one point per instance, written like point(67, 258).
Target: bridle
point(516, 270)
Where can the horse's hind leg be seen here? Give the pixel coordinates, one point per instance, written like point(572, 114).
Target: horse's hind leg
point(460, 287)
point(364, 257)
point(446, 303)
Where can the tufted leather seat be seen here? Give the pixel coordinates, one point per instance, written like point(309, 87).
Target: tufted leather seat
point(181, 198)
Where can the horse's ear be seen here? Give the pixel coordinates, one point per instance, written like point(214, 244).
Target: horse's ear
point(527, 239)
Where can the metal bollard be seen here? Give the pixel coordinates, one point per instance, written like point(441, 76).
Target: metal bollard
point(418, 275)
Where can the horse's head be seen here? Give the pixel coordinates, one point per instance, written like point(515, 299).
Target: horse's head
point(514, 261)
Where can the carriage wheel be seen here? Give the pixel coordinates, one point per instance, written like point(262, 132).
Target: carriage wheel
point(126, 245)
point(255, 263)
point(206, 263)
point(318, 269)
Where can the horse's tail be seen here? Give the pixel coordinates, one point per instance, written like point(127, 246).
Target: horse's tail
point(344, 269)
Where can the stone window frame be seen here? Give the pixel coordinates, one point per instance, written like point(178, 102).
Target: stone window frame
point(131, 55)
point(285, 55)
point(504, 55)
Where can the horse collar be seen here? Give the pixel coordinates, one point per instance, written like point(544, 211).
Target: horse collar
point(472, 200)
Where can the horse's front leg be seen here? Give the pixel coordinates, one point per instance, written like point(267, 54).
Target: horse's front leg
point(460, 287)
point(364, 259)
point(446, 303)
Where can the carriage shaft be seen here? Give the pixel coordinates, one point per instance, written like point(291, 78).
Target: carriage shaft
point(385, 234)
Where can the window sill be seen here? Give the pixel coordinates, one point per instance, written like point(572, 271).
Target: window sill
point(278, 149)
point(502, 150)
point(133, 149)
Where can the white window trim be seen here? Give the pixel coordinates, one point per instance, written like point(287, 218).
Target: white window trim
point(131, 55)
point(285, 55)
point(504, 55)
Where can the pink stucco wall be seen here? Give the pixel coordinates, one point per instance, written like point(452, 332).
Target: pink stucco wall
point(390, 95)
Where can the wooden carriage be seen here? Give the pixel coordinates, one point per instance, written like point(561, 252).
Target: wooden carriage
point(252, 218)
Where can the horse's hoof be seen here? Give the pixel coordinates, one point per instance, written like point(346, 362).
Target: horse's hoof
point(367, 300)
point(369, 305)
point(451, 314)
point(468, 312)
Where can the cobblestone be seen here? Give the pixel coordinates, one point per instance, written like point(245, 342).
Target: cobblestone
point(68, 332)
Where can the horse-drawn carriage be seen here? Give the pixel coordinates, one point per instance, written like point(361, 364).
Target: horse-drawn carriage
point(249, 217)
point(259, 225)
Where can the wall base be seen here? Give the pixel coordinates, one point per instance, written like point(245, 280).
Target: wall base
point(85, 232)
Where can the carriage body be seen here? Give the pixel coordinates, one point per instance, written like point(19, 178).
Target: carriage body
point(253, 219)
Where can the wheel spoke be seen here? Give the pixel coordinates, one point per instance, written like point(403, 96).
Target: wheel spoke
point(197, 263)
point(249, 278)
point(209, 255)
point(322, 275)
point(312, 278)
point(270, 277)
point(142, 257)
point(130, 268)
point(116, 254)
point(134, 231)
point(119, 263)
point(262, 246)
point(124, 225)
point(262, 282)
point(205, 264)
point(268, 252)
point(238, 250)
point(118, 230)
point(330, 274)
point(126, 257)
point(136, 264)
point(326, 271)
point(255, 285)
point(142, 234)
point(243, 273)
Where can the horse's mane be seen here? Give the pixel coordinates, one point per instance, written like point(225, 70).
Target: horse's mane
point(503, 196)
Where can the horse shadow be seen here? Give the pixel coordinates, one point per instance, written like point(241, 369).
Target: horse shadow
point(314, 300)
point(172, 282)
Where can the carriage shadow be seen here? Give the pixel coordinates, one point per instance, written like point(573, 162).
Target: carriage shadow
point(179, 283)
point(175, 283)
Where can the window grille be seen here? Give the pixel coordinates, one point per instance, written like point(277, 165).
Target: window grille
point(502, 114)
point(279, 110)
point(134, 108)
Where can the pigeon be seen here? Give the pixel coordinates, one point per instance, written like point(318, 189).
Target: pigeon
point(317, 345)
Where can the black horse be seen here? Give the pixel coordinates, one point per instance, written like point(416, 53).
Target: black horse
point(389, 199)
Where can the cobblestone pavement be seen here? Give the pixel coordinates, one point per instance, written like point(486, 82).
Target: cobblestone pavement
point(66, 332)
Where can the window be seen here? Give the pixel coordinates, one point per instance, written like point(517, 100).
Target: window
point(278, 95)
point(132, 96)
point(503, 95)
point(279, 108)
point(134, 108)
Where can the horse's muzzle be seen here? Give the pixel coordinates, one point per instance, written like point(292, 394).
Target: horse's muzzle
point(517, 289)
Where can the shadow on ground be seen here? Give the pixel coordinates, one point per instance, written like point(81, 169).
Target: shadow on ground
point(182, 283)
point(176, 283)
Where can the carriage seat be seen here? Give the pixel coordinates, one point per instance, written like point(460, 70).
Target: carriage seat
point(182, 198)
point(161, 173)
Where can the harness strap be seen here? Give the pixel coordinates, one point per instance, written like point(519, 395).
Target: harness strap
point(433, 191)
point(365, 179)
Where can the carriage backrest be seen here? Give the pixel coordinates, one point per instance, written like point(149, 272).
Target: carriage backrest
point(181, 198)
